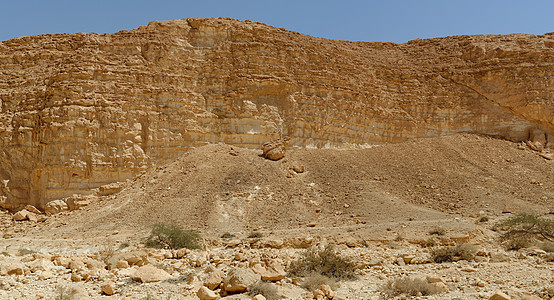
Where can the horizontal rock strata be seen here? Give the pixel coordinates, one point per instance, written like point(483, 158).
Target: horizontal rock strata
point(82, 110)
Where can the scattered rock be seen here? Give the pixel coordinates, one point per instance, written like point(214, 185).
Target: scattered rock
point(23, 215)
point(33, 209)
point(149, 273)
point(500, 296)
point(215, 276)
point(56, 206)
point(110, 189)
point(108, 288)
point(326, 289)
point(238, 280)
point(205, 293)
point(272, 272)
point(275, 150)
point(499, 257)
point(258, 297)
point(11, 268)
point(78, 201)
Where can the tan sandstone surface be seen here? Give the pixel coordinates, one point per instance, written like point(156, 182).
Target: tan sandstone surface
point(82, 110)
point(378, 205)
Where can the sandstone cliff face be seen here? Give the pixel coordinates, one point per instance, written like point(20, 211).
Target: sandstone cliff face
point(82, 110)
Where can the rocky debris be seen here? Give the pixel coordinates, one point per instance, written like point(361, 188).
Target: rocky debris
point(238, 280)
point(547, 155)
point(258, 297)
point(149, 273)
point(500, 296)
point(125, 259)
point(79, 201)
point(327, 291)
point(273, 271)
point(108, 288)
point(110, 189)
point(77, 292)
point(11, 267)
point(205, 293)
point(214, 277)
point(33, 209)
point(24, 214)
point(55, 206)
point(275, 150)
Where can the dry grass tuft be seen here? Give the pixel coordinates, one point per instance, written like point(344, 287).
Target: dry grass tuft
point(325, 262)
point(412, 286)
point(454, 253)
point(266, 289)
point(314, 281)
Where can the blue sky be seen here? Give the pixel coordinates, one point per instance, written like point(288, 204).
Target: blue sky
point(384, 20)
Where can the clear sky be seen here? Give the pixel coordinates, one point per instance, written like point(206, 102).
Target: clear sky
point(384, 20)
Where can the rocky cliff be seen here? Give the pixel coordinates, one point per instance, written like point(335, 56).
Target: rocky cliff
point(82, 110)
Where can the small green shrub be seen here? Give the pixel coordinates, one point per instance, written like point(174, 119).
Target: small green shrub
point(411, 286)
point(454, 253)
point(314, 281)
point(325, 262)
point(524, 230)
point(527, 225)
point(171, 236)
point(255, 235)
point(266, 289)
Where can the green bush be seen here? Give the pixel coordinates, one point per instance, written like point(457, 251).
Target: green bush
point(454, 253)
point(171, 236)
point(525, 227)
point(325, 262)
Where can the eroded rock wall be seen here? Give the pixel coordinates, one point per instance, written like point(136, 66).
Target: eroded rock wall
point(82, 110)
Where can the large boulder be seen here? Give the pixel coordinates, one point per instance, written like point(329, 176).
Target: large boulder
point(238, 280)
point(205, 293)
point(275, 150)
point(56, 206)
point(273, 271)
point(149, 273)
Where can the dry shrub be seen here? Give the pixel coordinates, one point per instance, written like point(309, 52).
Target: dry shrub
point(413, 286)
point(266, 289)
point(325, 262)
point(227, 235)
point(171, 236)
point(314, 281)
point(454, 253)
point(518, 242)
point(429, 243)
point(255, 235)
